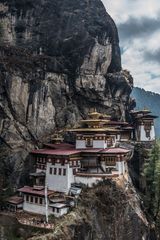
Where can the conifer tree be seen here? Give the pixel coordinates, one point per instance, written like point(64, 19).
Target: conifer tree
point(152, 174)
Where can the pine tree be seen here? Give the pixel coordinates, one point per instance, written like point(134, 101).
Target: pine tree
point(152, 174)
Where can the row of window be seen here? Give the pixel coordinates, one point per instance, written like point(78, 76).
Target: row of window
point(109, 158)
point(57, 171)
point(95, 138)
point(60, 171)
point(71, 164)
point(41, 166)
point(36, 200)
point(41, 160)
point(60, 161)
point(56, 210)
point(63, 162)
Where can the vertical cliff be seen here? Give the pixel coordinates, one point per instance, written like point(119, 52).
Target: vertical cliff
point(58, 59)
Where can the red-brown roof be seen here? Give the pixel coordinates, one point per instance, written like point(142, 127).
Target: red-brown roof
point(15, 200)
point(117, 123)
point(91, 150)
point(31, 190)
point(56, 152)
point(115, 150)
point(106, 150)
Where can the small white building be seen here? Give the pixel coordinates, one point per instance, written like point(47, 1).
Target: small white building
point(14, 203)
point(59, 209)
point(60, 167)
point(144, 126)
point(34, 199)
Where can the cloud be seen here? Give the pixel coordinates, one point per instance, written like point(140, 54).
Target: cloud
point(138, 23)
point(137, 28)
point(152, 56)
point(124, 9)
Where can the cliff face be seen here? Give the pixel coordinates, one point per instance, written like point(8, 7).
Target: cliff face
point(58, 59)
point(109, 211)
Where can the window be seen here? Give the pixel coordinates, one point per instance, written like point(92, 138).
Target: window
point(36, 200)
point(74, 171)
point(60, 170)
point(50, 170)
point(64, 172)
point(41, 201)
point(55, 171)
point(27, 198)
point(31, 199)
point(89, 142)
point(62, 162)
point(53, 161)
point(57, 210)
point(53, 209)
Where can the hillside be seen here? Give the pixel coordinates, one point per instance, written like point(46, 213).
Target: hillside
point(150, 100)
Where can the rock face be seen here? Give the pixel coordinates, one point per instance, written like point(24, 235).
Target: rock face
point(58, 59)
point(106, 212)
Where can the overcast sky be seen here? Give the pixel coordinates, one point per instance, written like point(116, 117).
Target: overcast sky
point(138, 23)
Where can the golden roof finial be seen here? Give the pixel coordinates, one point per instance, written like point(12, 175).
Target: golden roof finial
point(146, 108)
point(94, 114)
point(57, 138)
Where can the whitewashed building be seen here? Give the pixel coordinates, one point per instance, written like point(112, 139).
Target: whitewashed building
point(144, 126)
point(95, 156)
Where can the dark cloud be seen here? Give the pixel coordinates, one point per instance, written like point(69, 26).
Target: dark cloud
point(152, 56)
point(138, 27)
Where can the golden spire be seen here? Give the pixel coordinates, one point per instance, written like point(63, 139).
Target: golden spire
point(57, 138)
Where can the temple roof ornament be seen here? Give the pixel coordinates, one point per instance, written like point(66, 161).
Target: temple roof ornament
point(96, 122)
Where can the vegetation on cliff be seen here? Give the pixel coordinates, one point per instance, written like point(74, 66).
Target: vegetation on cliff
point(152, 175)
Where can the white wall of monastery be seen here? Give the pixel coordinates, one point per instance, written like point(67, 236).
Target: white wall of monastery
point(120, 166)
point(34, 208)
point(61, 212)
point(99, 144)
point(80, 144)
point(58, 182)
point(143, 134)
point(153, 134)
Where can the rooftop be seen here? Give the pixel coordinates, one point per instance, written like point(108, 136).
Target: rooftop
point(58, 205)
point(147, 116)
point(69, 152)
point(117, 123)
point(115, 150)
point(107, 150)
point(105, 129)
point(143, 111)
point(15, 200)
point(56, 152)
point(32, 190)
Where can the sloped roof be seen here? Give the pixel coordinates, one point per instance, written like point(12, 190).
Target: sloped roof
point(31, 190)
